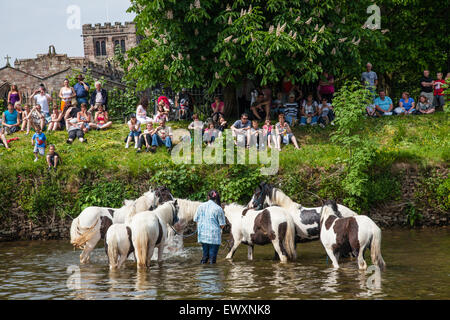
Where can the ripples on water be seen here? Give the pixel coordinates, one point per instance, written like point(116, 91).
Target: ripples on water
point(417, 267)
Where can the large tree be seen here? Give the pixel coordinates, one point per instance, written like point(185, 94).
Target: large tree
point(218, 43)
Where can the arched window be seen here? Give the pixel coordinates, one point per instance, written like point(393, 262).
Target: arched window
point(97, 48)
point(103, 48)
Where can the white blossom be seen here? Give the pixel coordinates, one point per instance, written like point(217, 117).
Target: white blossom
point(333, 52)
point(228, 8)
point(230, 21)
point(180, 56)
point(197, 4)
point(227, 39)
point(343, 20)
point(316, 28)
point(314, 39)
point(166, 67)
point(235, 40)
point(309, 21)
point(170, 14)
point(297, 19)
point(384, 31)
point(202, 58)
point(217, 75)
point(322, 29)
point(271, 29)
point(342, 39)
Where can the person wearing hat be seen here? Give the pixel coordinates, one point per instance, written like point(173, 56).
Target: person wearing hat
point(82, 90)
point(210, 220)
point(135, 131)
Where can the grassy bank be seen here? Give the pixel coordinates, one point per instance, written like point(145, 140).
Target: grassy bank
point(102, 172)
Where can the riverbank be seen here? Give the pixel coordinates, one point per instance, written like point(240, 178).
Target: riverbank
point(409, 184)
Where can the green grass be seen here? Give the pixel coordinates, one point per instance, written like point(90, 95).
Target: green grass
point(420, 140)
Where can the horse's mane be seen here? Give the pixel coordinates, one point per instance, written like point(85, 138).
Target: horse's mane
point(164, 194)
point(329, 209)
point(279, 198)
point(188, 208)
point(233, 209)
point(164, 211)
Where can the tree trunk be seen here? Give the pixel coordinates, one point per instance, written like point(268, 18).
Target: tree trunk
point(229, 99)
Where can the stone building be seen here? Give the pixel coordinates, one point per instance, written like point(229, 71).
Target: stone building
point(52, 68)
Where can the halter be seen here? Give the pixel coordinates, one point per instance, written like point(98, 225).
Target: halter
point(175, 218)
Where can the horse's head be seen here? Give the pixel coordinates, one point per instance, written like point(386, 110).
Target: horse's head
point(329, 209)
point(261, 198)
point(175, 210)
point(164, 194)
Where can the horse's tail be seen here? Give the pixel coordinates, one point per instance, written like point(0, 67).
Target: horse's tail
point(375, 249)
point(140, 243)
point(112, 244)
point(80, 235)
point(289, 239)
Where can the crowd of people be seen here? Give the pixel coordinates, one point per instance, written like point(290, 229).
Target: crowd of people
point(81, 111)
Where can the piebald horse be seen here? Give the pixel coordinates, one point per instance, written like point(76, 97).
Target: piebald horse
point(352, 234)
point(149, 230)
point(271, 225)
point(306, 220)
point(92, 223)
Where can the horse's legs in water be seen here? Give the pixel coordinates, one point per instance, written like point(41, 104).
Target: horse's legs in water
point(250, 252)
point(90, 245)
point(151, 248)
point(332, 257)
point(233, 249)
point(361, 262)
point(160, 250)
point(277, 248)
point(276, 257)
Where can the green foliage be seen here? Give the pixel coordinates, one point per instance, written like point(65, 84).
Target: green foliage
point(350, 102)
point(214, 43)
point(412, 214)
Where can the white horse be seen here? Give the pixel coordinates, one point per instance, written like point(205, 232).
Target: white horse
point(118, 244)
point(306, 220)
point(186, 214)
point(92, 223)
point(148, 230)
point(340, 236)
point(273, 224)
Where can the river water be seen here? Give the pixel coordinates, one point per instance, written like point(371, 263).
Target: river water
point(418, 267)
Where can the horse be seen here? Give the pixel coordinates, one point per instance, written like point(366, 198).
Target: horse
point(306, 220)
point(270, 225)
point(148, 230)
point(92, 223)
point(341, 235)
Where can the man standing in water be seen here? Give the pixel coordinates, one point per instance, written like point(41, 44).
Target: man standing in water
point(210, 220)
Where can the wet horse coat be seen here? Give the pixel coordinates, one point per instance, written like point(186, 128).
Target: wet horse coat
point(271, 225)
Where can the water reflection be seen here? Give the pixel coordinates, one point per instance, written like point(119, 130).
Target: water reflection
point(330, 283)
point(210, 281)
point(241, 278)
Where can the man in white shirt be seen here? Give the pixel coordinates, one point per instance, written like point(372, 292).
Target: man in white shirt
point(43, 99)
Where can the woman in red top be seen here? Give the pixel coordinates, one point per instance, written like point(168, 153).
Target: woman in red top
point(326, 87)
point(439, 100)
point(101, 119)
point(217, 108)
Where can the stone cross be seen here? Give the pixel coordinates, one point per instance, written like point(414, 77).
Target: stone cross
point(7, 60)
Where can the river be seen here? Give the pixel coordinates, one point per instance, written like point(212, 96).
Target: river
point(418, 267)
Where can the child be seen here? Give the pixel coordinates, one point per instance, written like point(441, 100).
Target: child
point(38, 140)
point(146, 138)
point(183, 108)
point(290, 110)
point(3, 138)
point(424, 106)
point(53, 159)
point(326, 113)
point(309, 111)
point(253, 135)
point(161, 113)
point(19, 110)
point(267, 133)
point(210, 134)
point(54, 122)
point(439, 100)
point(26, 121)
point(135, 131)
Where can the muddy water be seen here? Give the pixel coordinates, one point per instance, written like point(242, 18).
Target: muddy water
point(418, 267)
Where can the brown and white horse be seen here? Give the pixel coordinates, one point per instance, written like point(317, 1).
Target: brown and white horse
point(306, 219)
point(352, 234)
point(271, 225)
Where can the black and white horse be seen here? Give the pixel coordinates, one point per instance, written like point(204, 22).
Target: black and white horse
point(307, 220)
point(271, 225)
point(352, 234)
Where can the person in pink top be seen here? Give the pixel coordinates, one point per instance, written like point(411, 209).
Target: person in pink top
point(326, 87)
point(217, 108)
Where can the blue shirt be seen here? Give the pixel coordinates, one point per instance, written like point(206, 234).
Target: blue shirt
point(383, 104)
point(39, 139)
point(80, 90)
point(10, 118)
point(369, 78)
point(239, 125)
point(209, 218)
point(407, 105)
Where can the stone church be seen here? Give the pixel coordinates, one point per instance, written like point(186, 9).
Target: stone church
point(52, 68)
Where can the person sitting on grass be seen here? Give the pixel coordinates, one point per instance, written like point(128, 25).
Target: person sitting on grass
point(258, 107)
point(145, 139)
point(290, 110)
point(217, 109)
point(11, 121)
point(19, 110)
point(101, 119)
point(55, 119)
point(196, 125)
point(3, 138)
point(277, 105)
point(74, 130)
point(253, 136)
point(84, 118)
point(239, 130)
point(37, 117)
point(38, 141)
point(326, 113)
point(211, 133)
point(161, 113)
point(53, 158)
point(135, 131)
point(406, 105)
point(424, 106)
point(268, 134)
point(284, 133)
point(162, 136)
point(222, 125)
point(309, 111)
point(26, 119)
point(383, 105)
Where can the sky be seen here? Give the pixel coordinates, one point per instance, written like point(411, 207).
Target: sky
point(29, 27)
